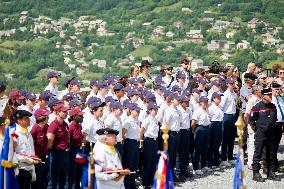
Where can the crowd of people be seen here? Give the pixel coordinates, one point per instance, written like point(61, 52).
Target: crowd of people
point(120, 120)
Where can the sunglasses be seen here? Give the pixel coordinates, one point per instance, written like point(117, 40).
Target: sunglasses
point(263, 78)
point(186, 63)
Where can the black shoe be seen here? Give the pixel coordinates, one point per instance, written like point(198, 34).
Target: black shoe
point(272, 176)
point(257, 177)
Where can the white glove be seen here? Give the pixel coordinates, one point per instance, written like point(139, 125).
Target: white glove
point(33, 176)
point(16, 171)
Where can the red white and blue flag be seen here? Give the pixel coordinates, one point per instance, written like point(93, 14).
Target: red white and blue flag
point(163, 177)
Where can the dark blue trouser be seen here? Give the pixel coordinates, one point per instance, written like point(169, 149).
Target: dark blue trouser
point(41, 174)
point(130, 161)
point(119, 149)
point(149, 160)
point(183, 152)
point(214, 143)
point(58, 169)
point(201, 140)
point(229, 134)
point(173, 148)
point(74, 169)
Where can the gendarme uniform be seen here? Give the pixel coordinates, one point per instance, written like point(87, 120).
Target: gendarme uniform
point(108, 159)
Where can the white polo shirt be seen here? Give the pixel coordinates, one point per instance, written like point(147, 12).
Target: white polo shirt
point(150, 124)
point(132, 126)
point(229, 102)
point(115, 123)
point(215, 113)
point(201, 116)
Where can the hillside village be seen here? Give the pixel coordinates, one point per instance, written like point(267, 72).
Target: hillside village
point(74, 38)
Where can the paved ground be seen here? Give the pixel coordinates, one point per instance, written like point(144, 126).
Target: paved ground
point(223, 178)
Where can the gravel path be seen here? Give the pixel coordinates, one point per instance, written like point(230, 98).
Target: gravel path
point(223, 178)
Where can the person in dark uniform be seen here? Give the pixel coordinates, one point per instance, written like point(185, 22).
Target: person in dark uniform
point(263, 121)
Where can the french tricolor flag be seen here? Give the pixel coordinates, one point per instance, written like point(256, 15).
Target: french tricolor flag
point(163, 176)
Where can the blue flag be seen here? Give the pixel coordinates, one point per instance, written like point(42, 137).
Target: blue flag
point(163, 177)
point(239, 173)
point(86, 175)
point(8, 178)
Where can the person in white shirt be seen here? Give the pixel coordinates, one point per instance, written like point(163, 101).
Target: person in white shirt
point(255, 98)
point(43, 100)
point(173, 121)
point(201, 84)
point(215, 87)
point(278, 101)
point(194, 98)
point(24, 150)
point(93, 123)
point(108, 99)
point(131, 153)
point(103, 91)
point(113, 121)
point(216, 117)
point(229, 106)
point(68, 87)
point(200, 125)
point(53, 80)
point(180, 80)
point(246, 89)
point(158, 92)
point(184, 135)
point(94, 88)
point(148, 136)
point(108, 159)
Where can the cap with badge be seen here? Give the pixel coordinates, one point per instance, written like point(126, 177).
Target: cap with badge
point(216, 95)
point(133, 106)
point(75, 82)
point(41, 112)
point(216, 82)
point(96, 102)
point(115, 105)
point(118, 87)
point(76, 111)
point(203, 99)
point(53, 101)
point(202, 81)
point(15, 95)
point(175, 96)
point(184, 98)
point(266, 91)
point(131, 93)
point(180, 74)
point(102, 85)
point(150, 97)
point(230, 80)
point(250, 76)
point(45, 95)
point(75, 102)
point(107, 131)
point(53, 74)
point(195, 90)
point(141, 80)
point(18, 114)
point(176, 88)
point(94, 82)
point(68, 96)
point(152, 105)
point(30, 96)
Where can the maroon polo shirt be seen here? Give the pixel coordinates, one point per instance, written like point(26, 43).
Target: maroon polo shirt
point(61, 132)
point(40, 140)
point(76, 136)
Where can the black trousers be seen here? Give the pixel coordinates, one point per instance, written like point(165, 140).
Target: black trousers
point(24, 179)
point(173, 148)
point(264, 138)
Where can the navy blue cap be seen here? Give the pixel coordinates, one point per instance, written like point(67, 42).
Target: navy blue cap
point(118, 87)
point(53, 101)
point(133, 106)
point(230, 80)
point(195, 90)
point(184, 98)
point(159, 80)
point(91, 100)
point(17, 114)
point(75, 102)
point(125, 103)
point(167, 93)
point(266, 91)
point(141, 80)
point(102, 85)
point(186, 92)
point(159, 86)
point(67, 81)
point(250, 76)
point(176, 88)
point(151, 97)
point(96, 103)
point(115, 105)
point(202, 81)
point(107, 131)
point(132, 93)
point(216, 82)
point(175, 96)
point(109, 99)
point(52, 74)
point(112, 80)
point(152, 105)
point(30, 96)
point(45, 95)
point(68, 96)
point(94, 82)
point(133, 81)
point(216, 95)
point(203, 99)
point(75, 82)
point(180, 74)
